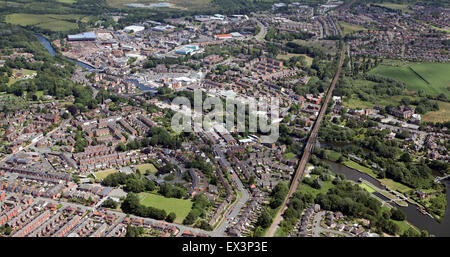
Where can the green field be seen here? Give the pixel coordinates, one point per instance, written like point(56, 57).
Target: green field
point(53, 22)
point(286, 57)
point(348, 28)
point(363, 169)
point(332, 155)
point(100, 175)
point(180, 207)
point(289, 155)
point(442, 115)
point(304, 188)
point(142, 168)
point(395, 6)
point(432, 78)
point(395, 185)
point(366, 187)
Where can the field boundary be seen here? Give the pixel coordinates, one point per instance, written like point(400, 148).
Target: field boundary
point(420, 76)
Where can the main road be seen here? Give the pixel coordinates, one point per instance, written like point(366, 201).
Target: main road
point(309, 145)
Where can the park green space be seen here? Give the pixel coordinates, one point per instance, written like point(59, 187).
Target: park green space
point(287, 56)
point(100, 175)
point(142, 168)
point(353, 102)
point(332, 155)
point(348, 28)
point(432, 78)
point(180, 207)
point(289, 155)
point(307, 189)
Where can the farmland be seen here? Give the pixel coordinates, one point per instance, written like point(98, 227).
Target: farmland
point(53, 22)
point(442, 115)
point(431, 78)
point(180, 207)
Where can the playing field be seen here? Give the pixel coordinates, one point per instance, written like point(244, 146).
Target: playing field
point(432, 78)
point(180, 207)
point(142, 168)
point(100, 175)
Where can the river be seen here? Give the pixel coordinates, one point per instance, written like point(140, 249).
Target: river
point(52, 52)
point(414, 216)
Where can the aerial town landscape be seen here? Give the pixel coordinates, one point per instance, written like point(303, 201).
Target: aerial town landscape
point(88, 99)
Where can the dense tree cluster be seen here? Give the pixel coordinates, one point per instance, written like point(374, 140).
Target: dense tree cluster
point(133, 182)
point(132, 205)
point(201, 204)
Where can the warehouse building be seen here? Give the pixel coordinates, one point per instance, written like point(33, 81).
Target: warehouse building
point(86, 36)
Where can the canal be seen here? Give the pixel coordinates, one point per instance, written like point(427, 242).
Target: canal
point(414, 216)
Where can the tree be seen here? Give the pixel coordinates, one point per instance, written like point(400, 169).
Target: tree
point(171, 217)
point(405, 157)
point(110, 203)
point(264, 220)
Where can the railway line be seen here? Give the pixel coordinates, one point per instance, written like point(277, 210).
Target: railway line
point(311, 140)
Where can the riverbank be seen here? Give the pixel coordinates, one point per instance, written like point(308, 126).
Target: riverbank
point(414, 216)
point(46, 43)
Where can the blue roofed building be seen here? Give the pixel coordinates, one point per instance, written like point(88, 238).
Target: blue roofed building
point(86, 36)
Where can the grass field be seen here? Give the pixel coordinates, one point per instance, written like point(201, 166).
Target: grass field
point(332, 155)
point(348, 28)
point(366, 187)
point(363, 169)
point(54, 22)
point(395, 6)
point(100, 175)
point(304, 188)
point(442, 115)
point(354, 102)
point(395, 185)
point(142, 168)
point(289, 155)
point(180, 207)
point(286, 57)
point(432, 78)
